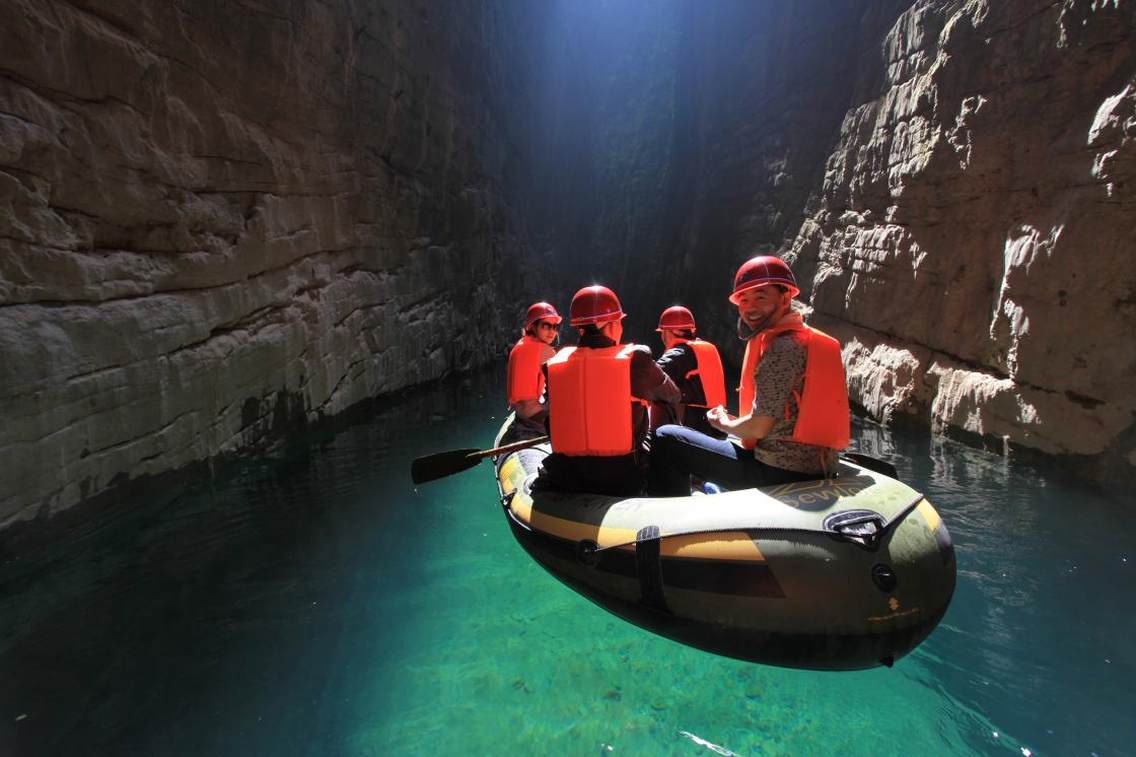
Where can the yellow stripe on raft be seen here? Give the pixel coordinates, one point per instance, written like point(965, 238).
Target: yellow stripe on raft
point(574, 531)
point(724, 545)
point(930, 515)
point(506, 475)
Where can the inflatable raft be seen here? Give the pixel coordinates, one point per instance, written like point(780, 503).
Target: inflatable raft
point(838, 574)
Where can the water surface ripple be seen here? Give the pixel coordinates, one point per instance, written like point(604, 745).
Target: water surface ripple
point(313, 602)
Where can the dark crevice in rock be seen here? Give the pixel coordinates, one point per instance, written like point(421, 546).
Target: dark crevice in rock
point(451, 169)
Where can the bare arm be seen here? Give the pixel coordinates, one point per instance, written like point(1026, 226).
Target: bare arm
point(750, 426)
point(774, 377)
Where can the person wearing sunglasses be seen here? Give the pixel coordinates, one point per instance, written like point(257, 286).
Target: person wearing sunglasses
point(525, 378)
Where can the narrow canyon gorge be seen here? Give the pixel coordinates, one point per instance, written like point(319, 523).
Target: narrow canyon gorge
point(223, 222)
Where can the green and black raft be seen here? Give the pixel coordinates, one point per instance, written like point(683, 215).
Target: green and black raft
point(837, 574)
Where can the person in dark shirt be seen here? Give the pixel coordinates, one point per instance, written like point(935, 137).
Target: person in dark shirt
point(789, 429)
point(694, 366)
point(597, 397)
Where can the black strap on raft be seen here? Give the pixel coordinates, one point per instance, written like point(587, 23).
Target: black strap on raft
point(857, 530)
point(649, 565)
point(890, 525)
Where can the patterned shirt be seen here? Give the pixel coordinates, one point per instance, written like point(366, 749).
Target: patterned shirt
point(780, 372)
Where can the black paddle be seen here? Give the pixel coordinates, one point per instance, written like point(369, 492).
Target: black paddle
point(872, 464)
point(442, 464)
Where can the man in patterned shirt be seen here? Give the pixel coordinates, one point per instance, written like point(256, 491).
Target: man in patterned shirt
point(792, 393)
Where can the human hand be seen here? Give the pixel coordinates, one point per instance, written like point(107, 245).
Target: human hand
point(717, 416)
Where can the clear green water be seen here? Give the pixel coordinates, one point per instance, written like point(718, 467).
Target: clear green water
point(315, 603)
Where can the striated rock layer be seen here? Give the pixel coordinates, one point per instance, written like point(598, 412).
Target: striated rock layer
point(951, 179)
point(220, 220)
point(973, 243)
point(673, 137)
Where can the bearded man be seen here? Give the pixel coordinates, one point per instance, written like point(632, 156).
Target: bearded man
point(792, 399)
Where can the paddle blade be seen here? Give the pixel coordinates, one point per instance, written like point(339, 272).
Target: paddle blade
point(442, 464)
point(872, 464)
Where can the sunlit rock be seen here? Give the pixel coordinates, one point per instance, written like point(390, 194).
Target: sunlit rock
point(977, 215)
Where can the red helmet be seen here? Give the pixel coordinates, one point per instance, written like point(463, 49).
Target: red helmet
point(676, 318)
point(541, 311)
point(595, 304)
point(762, 271)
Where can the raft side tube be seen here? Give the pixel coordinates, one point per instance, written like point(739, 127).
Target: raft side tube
point(756, 574)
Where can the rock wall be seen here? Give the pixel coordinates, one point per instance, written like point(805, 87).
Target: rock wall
point(221, 220)
point(672, 137)
point(951, 179)
point(601, 131)
point(766, 86)
point(973, 241)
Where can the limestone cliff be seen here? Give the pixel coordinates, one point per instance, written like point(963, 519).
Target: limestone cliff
point(951, 178)
point(674, 137)
point(221, 220)
point(973, 242)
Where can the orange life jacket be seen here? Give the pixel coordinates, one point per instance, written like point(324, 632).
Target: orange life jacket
point(822, 413)
point(526, 380)
point(709, 370)
point(589, 395)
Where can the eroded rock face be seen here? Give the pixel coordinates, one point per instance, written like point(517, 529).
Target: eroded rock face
point(974, 240)
point(675, 137)
point(219, 219)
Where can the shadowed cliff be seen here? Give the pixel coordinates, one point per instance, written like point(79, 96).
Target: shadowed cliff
point(951, 181)
point(221, 222)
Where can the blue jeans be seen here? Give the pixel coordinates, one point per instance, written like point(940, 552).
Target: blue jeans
point(678, 452)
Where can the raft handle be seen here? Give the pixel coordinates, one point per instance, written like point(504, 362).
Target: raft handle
point(863, 527)
point(587, 552)
point(884, 578)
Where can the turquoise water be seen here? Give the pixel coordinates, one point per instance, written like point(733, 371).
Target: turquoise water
point(314, 603)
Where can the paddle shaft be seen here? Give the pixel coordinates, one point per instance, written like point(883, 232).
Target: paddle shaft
point(509, 447)
point(444, 464)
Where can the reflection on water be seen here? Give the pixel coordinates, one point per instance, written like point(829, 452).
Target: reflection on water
point(315, 603)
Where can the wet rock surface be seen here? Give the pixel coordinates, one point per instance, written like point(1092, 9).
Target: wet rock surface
point(973, 241)
point(219, 221)
point(951, 180)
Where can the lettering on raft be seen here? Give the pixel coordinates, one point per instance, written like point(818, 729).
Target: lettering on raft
point(805, 493)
